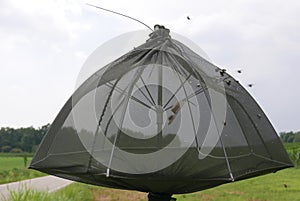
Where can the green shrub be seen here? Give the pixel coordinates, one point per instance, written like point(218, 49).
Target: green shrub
point(18, 174)
point(16, 150)
point(25, 194)
point(293, 150)
point(73, 192)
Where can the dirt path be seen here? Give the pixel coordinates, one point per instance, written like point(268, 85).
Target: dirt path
point(47, 183)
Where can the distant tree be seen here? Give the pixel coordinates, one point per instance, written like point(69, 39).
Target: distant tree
point(290, 139)
point(27, 140)
point(282, 136)
point(297, 137)
point(34, 148)
point(41, 133)
point(287, 137)
point(24, 139)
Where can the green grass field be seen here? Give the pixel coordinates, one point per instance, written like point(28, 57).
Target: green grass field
point(9, 163)
point(269, 187)
point(281, 186)
point(13, 168)
point(72, 192)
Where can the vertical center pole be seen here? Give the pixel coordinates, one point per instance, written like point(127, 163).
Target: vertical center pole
point(159, 109)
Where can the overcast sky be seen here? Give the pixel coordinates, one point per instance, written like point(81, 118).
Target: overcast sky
point(43, 45)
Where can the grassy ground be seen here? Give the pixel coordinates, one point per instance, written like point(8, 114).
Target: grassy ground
point(293, 149)
point(14, 168)
point(282, 186)
point(9, 163)
point(73, 192)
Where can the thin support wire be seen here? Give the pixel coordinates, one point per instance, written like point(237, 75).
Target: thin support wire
point(120, 128)
point(99, 122)
point(254, 126)
point(138, 75)
point(123, 92)
point(220, 135)
point(148, 91)
point(215, 121)
point(189, 106)
point(121, 15)
point(174, 94)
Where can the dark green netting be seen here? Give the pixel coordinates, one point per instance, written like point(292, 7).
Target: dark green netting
point(160, 119)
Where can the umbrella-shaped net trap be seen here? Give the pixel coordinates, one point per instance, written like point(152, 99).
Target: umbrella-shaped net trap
point(160, 119)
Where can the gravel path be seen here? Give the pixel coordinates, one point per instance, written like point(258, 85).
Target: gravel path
point(47, 183)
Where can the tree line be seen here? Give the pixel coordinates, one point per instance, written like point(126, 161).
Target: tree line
point(21, 140)
point(290, 137)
